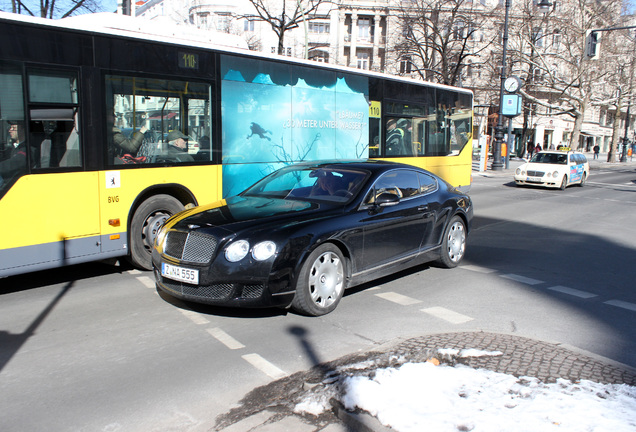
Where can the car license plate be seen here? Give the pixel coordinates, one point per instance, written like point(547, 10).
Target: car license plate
point(534, 179)
point(181, 274)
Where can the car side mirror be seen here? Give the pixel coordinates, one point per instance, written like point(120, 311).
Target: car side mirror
point(386, 199)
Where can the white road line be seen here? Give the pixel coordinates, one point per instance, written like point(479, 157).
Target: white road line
point(447, 315)
point(148, 282)
point(135, 272)
point(195, 317)
point(225, 339)
point(622, 304)
point(264, 366)
point(478, 269)
point(572, 292)
point(522, 279)
point(398, 298)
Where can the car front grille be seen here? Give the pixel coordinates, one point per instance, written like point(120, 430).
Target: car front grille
point(536, 173)
point(214, 292)
point(190, 246)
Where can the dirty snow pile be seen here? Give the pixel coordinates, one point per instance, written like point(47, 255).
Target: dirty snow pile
point(416, 397)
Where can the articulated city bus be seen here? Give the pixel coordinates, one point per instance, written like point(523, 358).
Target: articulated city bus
point(107, 131)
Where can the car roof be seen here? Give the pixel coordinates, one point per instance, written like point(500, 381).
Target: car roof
point(372, 165)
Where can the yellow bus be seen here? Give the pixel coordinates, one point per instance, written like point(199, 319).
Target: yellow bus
point(107, 131)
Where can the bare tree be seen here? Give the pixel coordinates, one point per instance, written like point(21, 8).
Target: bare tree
point(550, 53)
point(284, 15)
point(56, 8)
point(438, 37)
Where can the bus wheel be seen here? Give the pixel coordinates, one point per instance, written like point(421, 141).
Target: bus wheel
point(145, 224)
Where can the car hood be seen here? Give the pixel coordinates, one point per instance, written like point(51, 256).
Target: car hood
point(545, 167)
point(240, 212)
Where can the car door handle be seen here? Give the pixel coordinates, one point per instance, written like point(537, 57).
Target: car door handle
point(424, 209)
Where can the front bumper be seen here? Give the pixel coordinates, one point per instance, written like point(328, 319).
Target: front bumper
point(247, 283)
point(534, 181)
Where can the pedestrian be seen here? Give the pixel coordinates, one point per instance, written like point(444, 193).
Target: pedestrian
point(530, 149)
point(596, 150)
point(537, 148)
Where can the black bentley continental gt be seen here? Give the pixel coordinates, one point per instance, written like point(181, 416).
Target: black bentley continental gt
point(302, 235)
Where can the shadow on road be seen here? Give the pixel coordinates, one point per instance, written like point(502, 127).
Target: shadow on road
point(11, 343)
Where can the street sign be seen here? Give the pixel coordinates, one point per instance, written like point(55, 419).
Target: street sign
point(511, 105)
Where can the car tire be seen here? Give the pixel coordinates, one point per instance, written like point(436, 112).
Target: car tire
point(564, 182)
point(321, 281)
point(453, 243)
point(583, 179)
point(144, 226)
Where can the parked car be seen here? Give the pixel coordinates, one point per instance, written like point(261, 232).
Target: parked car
point(302, 235)
point(554, 169)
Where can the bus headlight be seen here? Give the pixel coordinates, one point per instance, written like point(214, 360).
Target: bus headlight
point(237, 250)
point(264, 250)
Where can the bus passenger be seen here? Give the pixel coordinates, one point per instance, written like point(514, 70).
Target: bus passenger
point(129, 145)
point(394, 138)
point(15, 156)
point(178, 146)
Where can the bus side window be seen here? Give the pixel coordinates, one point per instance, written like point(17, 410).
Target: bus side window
point(157, 121)
point(53, 112)
point(13, 160)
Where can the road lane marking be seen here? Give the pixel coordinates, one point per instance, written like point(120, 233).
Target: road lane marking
point(572, 292)
point(622, 304)
point(148, 282)
point(398, 298)
point(478, 269)
point(225, 339)
point(447, 315)
point(195, 317)
point(264, 366)
point(522, 279)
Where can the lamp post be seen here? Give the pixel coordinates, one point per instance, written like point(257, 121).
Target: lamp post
point(625, 138)
point(497, 164)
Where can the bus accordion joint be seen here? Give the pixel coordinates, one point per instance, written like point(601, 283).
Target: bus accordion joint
point(114, 222)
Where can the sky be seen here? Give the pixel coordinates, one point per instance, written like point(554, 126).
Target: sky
point(442, 398)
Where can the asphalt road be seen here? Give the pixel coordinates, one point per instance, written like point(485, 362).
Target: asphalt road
point(97, 348)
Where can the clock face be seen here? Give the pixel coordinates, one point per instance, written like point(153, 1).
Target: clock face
point(511, 84)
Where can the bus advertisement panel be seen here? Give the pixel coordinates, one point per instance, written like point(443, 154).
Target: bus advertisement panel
point(274, 115)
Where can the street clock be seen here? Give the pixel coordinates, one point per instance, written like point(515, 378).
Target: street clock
point(512, 84)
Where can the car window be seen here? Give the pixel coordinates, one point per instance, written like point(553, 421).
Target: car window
point(427, 183)
point(402, 183)
point(338, 185)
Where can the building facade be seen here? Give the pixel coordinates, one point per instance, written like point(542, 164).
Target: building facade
point(375, 35)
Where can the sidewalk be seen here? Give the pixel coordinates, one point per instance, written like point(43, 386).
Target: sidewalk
point(271, 408)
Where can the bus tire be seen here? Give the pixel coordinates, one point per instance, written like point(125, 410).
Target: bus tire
point(145, 224)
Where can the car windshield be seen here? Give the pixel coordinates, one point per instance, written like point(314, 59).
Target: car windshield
point(338, 185)
point(550, 158)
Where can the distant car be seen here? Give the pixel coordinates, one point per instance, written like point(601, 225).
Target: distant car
point(302, 235)
point(554, 169)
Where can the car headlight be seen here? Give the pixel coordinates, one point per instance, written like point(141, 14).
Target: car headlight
point(237, 250)
point(264, 250)
point(518, 172)
point(555, 174)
